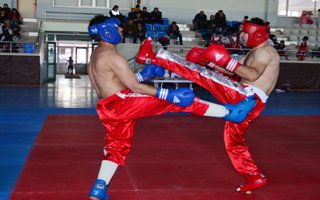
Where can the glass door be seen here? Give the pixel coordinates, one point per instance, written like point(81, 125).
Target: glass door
point(81, 60)
point(51, 64)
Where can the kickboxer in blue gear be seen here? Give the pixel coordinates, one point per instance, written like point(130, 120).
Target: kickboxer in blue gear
point(123, 100)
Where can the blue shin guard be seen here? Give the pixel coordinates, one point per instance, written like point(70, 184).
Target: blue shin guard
point(239, 111)
point(99, 190)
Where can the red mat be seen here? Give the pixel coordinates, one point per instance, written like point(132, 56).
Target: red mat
point(174, 157)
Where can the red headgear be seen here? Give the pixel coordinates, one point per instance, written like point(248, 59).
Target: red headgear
point(257, 34)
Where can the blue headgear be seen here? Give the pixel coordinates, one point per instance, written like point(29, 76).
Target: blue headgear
point(107, 30)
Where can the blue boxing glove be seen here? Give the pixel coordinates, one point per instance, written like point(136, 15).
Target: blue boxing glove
point(239, 111)
point(149, 72)
point(179, 97)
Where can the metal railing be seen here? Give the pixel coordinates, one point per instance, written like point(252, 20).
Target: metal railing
point(76, 16)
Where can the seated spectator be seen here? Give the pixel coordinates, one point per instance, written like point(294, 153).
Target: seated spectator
point(233, 42)
point(303, 48)
point(245, 19)
point(220, 20)
point(156, 16)
point(15, 17)
point(139, 19)
point(174, 32)
point(273, 41)
point(130, 29)
point(141, 32)
point(200, 21)
point(116, 13)
point(305, 18)
point(3, 17)
point(7, 9)
point(281, 48)
point(212, 24)
point(132, 14)
point(218, 38)
point(7, 34)
point(15, 38)
point(145, 15)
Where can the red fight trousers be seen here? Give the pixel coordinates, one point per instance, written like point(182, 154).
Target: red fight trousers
point(120, 112)
point(226, 91)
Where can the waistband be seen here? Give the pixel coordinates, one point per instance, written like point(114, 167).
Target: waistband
point(122, 94)
point(261, 94)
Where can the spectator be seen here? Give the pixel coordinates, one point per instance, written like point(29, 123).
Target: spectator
point(141, 32)
point(200, 21)
point(132, 14)
point(6, 9)
point(245, 19)
point(174, 32)
point(15, 38)
point(218, 38)
point(273, 41)
point(116, 13)
point(139, 19)
point(303, 48)
point(3, 16)
point(212, 24)
point(145, 15)
point(130, 29)
point(318, 18)
point(15, 17)
point(7, 34)
point(220, 20)
point(138, 6)
point(281, 48)
point(305, 18)
point(156, 16)
point(233, 42)
point(70, 64)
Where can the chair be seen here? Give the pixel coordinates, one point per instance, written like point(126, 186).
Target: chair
point(165, 21)
point(157, 27)
point(313, 33)
point(148, 26)
point(294, 32)
point(305, 26)
point(296, 26)
point(294, 38)
point(303, 32)
point(236, 23)
point(161, 34)
point(151, 34)
point(165, 28)
point(229, 23)
point(286, 32)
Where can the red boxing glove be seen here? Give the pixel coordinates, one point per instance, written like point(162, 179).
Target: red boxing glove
point(195, 55)
point(219, 55)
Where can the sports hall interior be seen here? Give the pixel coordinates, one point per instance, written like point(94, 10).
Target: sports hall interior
point(51, 139)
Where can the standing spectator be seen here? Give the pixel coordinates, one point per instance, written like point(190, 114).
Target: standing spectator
point(130, 29)
point(318, 18)
point(174, 32)
point(305, 18)
point(141, 32)
point(116, 13)
point(145, 15)
point(245, 19)
point(156, 16)
point(220, 20)
point(70, 64)
point(15, 38)
point(7, 34)
point(303, 48)
point(200, 21)
point(138, 6)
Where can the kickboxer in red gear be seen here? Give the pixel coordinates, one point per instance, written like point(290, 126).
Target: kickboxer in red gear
point(123, 99)
point(258, 70)
point(303, 48)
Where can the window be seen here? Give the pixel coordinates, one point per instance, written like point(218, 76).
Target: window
point(294, 8)
point(123, 4)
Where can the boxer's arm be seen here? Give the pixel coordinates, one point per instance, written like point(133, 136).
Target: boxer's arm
point(261, 59)
point(127, 78)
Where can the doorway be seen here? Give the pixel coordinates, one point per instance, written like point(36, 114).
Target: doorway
point(27, 8)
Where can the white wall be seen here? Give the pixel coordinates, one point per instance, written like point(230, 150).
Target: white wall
point(183, 11)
